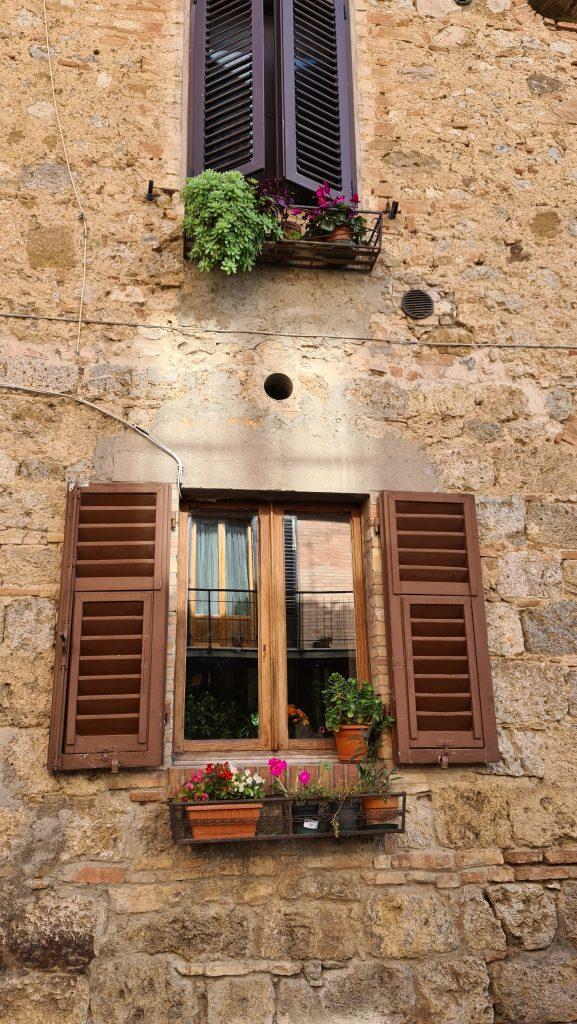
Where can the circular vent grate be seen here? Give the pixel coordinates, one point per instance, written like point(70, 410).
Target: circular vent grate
point(417, 304)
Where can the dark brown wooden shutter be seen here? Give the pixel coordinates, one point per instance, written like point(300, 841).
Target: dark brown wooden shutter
point(108, 699)
point(317, 103)
point(227, 86)
point(437, 634)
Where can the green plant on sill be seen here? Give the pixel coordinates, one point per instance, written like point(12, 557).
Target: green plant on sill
point(225, 222)
point(349, 702)
point(207, 718)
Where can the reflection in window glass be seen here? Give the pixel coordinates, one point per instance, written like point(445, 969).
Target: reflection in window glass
point(320, 613)
point(222, 632)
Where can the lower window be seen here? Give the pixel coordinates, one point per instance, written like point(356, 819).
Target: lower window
point(271, 603)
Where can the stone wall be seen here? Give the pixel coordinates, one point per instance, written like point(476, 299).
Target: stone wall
point(468, 117)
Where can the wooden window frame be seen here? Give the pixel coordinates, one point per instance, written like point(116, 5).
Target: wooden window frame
point(272, 649)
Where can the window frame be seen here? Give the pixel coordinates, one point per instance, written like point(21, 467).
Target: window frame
point(272, 649)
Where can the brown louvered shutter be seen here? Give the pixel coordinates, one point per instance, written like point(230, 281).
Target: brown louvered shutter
point(437, 634)
point(108, 697)
point(318, 120)
point(227, 86)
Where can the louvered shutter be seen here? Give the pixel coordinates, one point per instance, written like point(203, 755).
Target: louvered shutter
point(108, 698)
point(437, 634)
point(227, 86)
point(317, 104)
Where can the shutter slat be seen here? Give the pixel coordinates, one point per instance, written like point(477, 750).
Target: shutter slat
point(227, 80)
point(437, 634)
point(110, 698)
point(318, 137)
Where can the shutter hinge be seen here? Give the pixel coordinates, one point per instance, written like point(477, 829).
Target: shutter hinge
point(377, 526)
point(173, 521)
point(167, 710)
point(64, 641)
point(444, 757)
point(110, 754)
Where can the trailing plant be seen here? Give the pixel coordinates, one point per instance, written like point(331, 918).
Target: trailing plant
point(225, 222)
point(334, 212)
point(222, 782)
point(375, 778)
point(349, 702)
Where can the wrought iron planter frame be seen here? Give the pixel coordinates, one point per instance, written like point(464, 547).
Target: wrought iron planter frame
point(316, 254)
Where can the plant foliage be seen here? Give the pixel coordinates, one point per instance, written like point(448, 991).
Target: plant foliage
point(225, 222)
point(349, 702)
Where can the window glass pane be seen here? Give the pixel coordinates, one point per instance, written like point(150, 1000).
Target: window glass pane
point(222, 631)
point(320, 613)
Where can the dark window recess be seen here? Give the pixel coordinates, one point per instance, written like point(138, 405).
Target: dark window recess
point(438, 648)
point(271, 91)
point(108, 695)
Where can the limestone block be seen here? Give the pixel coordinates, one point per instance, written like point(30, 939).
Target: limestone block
point(481, 928)
point(364, 993)
point(30, 624)
point(410, 923)
point(52, 246)
point(195, 931)
point(543, 815)
point(35, 998)
point(527, 913)
point(419, 825)
point(298, 883)
point(551, 629)
point(559, 404)
point(568, 911)
point(524, 574)
point(528, 693)
point(536, 989)
point(311, 931)
point(29, 508)
point(553, 523)
point(504, 629)
point(455, 991)
point(472, 814)
point(50, 931)
point(21, 565)
point(543, 468)
point(502, 402)
point(8, 468)
point(500, 519)
point(47, 176)
point(463, 465)
point(521, 754)
point(97, 829)
point(238, 1000)
point(126, 990)
point(434, 8)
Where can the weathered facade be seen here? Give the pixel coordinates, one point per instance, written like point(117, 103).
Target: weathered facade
point(467, 116)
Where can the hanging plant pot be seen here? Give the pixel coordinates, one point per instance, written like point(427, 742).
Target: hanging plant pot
point(307, 818)
point(351, 741)
point(341, 234)
point(379, 810)
point(345, 816)
point(224, 820)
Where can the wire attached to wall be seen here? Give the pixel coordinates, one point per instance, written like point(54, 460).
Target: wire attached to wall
point(82, 216)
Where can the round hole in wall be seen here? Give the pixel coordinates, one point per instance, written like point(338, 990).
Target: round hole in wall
point(278, 386)
point(417, 304)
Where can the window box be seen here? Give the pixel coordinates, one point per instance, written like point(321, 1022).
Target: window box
point(285, 819)
point(338, 255)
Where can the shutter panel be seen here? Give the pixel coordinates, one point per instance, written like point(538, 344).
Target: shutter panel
point(437, 634)
point(227, 81)
point(108, 698)
point(318, 120)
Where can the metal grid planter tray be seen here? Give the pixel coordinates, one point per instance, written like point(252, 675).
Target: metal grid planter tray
point(282, 819)
point(310, 253)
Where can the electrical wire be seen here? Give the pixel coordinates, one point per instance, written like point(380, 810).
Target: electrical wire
point(185, 331)
point(82, 217)
point(90, 405)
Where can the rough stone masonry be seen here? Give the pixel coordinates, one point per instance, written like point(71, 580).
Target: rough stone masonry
point(468, 116)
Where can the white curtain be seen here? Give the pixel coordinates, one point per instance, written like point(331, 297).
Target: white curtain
point(206, 567)
point(237, 574)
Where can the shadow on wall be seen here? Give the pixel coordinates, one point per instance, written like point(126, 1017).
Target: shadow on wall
point(277, 299)
point(560, 10)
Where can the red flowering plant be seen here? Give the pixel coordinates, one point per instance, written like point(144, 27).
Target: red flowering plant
point(334, 212)
point(296, 716)
point(222, 782)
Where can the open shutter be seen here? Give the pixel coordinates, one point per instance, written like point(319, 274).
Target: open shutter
point(227, 86)
point(317, 102)
point(437, 634)
point(108, 697)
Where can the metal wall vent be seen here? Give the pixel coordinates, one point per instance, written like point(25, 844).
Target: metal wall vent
point(417, 304)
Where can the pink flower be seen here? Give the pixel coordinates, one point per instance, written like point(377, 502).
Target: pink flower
point(276, 766)
point(355, 198)
point(304, 777)
point(197, 775)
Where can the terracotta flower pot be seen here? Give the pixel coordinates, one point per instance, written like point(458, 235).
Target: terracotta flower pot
point(224, 820)
point(379, 810)
point(343, 233)
point(351, 741)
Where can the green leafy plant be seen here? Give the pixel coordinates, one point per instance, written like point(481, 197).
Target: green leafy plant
point(349, 702)
point(375, 777)
point(225, 222)
point(207, 718)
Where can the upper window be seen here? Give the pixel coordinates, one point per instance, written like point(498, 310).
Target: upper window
point(271, 90)
point(273, 604)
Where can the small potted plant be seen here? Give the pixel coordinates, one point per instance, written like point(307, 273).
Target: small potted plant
point(335, 219)
point(299, 723)
point(225, 223)
point(275, 198)
point(379, 807)
point(223, 802)
point(306, 798)
point(352, 709)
